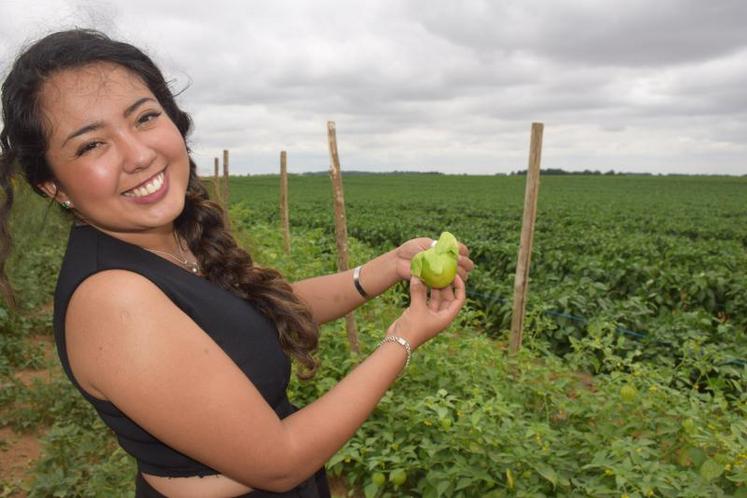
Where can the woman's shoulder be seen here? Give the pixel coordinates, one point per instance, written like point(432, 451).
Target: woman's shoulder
point(106, 315)
point(106, 297)
point(112, 287)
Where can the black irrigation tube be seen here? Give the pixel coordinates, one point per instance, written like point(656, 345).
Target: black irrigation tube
point(580, 319)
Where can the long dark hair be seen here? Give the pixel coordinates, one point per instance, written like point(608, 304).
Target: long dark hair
point(23, 144)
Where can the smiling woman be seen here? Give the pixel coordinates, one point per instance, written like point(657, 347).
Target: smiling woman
point(188, 368)
point(114, 154)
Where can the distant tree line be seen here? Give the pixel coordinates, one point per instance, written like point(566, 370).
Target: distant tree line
point(559, 172)
point(612, 172)
point(520, 172)
point(354, 173)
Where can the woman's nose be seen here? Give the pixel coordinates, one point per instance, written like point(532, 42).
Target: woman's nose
point(137, 154)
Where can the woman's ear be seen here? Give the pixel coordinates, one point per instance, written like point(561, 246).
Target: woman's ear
point(55, 193)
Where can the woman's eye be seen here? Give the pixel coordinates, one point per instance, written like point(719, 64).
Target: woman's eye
point(87, 147)
point(148, 116)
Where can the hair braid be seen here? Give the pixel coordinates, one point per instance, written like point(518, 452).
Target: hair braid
point(227, 265)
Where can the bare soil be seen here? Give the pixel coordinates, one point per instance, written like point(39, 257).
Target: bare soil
point(20, 451)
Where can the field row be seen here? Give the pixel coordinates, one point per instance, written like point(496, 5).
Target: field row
point(660, 260)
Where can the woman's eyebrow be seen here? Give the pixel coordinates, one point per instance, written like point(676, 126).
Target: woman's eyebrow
point(85, 129)
point(137, 104)
point(98, 124)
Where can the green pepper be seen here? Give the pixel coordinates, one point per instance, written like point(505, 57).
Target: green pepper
point(437, 266)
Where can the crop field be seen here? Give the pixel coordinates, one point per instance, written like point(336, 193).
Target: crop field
point(637, 281)
point(659, 259)
point(632, 381)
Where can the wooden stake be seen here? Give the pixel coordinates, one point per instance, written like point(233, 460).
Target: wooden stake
point(341, 228)
point(226, 193)
point(527, 237)
point(284, 221)
point(216, 183)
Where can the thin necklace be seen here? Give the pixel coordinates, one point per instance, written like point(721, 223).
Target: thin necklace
point(193, 267)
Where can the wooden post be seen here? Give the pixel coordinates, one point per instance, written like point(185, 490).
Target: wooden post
point(226, 193)
point(341, 228)
point(216, 183)
point(284, 221)
point(527, 236)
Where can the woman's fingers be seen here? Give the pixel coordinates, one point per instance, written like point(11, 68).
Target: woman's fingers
point(446, 296)
point(459, 294)
point(447, 299)
point(418, 293)
point(465, 266)
point(435, 301)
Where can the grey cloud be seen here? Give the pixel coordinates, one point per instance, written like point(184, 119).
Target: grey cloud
point(616, 33)
point(439, 83)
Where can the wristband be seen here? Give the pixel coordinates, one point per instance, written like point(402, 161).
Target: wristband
point(402, 342)
point(357, 282)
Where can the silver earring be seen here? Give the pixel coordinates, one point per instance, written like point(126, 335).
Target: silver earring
point(67, 204)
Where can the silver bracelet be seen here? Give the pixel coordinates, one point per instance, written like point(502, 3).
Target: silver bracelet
point(402, 342)
point(357, 282)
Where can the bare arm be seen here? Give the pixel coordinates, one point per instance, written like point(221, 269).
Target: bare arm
point(170, 377)
point(333, 296)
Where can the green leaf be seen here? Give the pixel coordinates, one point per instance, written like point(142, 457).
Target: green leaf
point(463, 483)
point(370, 490)
point(442, 487)
point(337, 458)
point(697, 456)
point(547, 472)
point(711, 470)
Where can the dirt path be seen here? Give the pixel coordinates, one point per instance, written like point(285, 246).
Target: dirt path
point(17, 457)
point(19, 451)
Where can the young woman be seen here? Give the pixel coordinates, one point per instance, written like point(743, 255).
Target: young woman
point(181, 344)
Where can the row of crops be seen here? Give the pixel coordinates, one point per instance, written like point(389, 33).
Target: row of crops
point(661, 259)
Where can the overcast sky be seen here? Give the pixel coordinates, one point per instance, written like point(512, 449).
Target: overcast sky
point(453, 86)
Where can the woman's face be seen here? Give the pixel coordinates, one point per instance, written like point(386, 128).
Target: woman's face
point(114, 152)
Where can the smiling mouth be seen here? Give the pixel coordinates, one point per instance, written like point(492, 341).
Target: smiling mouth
point(153, 185)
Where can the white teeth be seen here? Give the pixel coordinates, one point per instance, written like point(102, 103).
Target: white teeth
point(152, 186)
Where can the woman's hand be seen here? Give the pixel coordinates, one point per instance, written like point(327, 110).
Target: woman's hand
point(406, 251)
point(426, 317)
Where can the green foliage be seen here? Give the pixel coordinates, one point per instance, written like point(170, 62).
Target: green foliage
point(658, 257)
point(39, 230)
point(38, 233)
point(77, 461)
point(464, 417)
point(584, 410)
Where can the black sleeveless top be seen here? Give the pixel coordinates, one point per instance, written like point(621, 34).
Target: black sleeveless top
point(247, 337)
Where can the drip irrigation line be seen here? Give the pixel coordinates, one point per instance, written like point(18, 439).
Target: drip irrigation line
point(583, 320)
